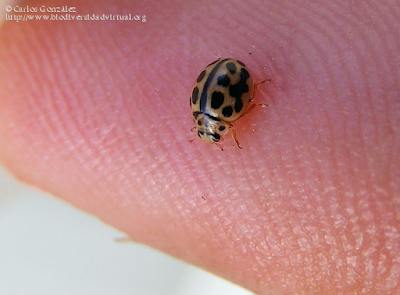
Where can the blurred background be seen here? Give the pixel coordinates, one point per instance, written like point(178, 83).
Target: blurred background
point(50, 247)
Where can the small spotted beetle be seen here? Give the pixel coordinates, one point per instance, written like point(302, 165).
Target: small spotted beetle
point(220, 96)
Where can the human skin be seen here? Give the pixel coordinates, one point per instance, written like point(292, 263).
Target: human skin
point(97, 113)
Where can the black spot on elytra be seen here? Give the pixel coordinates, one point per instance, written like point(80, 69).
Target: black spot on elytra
point(221, 128)
point(238, 105)
point(195, 95)
point(223, 80)
point(201, 76)
point(231, 67)
point(217, 99)
point(227, 111)
point(239, 89)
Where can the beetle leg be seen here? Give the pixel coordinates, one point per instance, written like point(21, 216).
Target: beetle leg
point(252, 106)
point(214, 143)
point(234, 135)
point(218, 145)
point(256, 85)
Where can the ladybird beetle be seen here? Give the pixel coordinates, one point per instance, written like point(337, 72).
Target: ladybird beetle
point(220, 96)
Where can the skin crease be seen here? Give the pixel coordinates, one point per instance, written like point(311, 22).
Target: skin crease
point(97, 113)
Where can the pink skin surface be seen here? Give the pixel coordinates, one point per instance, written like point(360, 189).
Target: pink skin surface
point(97, 113)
